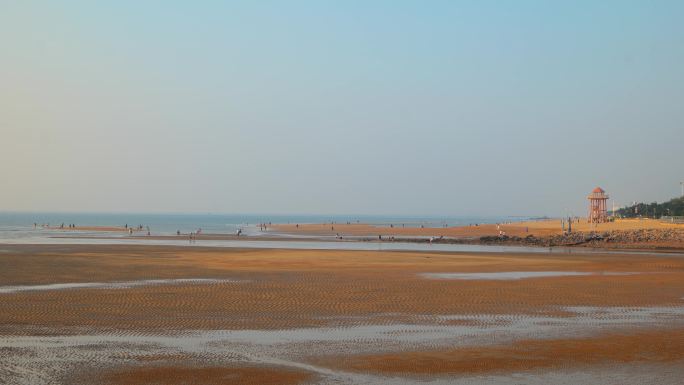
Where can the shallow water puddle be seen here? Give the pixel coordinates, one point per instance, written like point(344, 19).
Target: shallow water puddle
point(113, 285)
point(514, 275)
point(422, 329)
point(39, 359)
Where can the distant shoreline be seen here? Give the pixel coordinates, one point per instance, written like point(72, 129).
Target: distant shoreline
point(644, 234)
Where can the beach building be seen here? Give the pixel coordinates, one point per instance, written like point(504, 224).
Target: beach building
point(598, 200)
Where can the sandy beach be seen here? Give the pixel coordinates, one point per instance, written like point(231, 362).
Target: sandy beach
point(646, 234)
point(543, 227)
point(341, 193)
point(155, 314)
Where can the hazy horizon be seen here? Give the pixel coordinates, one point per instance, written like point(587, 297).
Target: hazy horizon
point(403, 108)
point(266, 214)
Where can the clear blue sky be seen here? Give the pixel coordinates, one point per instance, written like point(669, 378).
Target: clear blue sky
point(378, 107)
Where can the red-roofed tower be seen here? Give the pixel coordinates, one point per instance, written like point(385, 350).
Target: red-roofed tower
point(598, 212)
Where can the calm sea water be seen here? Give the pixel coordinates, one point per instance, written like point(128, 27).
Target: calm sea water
point(13, 225)
point(17, 228)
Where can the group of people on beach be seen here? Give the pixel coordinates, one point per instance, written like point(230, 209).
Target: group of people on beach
point(137, 228)
point(61, 227)
point(567, 223)
point(192, 236)
point(501, 232)
point(390, 238)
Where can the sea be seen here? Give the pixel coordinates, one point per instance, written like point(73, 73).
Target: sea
point(14, 225)
point(18, 228)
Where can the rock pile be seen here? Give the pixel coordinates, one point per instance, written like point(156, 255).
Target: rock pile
point(672, 238)
point(593, 238)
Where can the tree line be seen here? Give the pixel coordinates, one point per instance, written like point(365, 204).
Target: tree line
point(673, 207)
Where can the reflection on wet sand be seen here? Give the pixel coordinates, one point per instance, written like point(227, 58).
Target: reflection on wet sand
point(112, 285)
point(336, 317)
point(43, 357)
point(513, 275)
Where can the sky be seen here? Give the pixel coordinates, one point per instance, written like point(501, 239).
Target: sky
point(339, 107)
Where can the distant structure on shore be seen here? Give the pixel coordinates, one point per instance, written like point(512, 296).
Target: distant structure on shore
point(597, 206)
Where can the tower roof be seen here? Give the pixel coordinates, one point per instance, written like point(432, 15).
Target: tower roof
point(598, 194)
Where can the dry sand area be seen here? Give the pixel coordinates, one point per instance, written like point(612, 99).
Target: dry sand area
point(537, 228)
point(85, 314)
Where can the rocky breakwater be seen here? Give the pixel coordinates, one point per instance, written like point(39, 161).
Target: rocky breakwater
point(655, 238)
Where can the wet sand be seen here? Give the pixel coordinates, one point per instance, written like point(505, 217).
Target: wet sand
point(92, 229)
point(333, 316)
point(204, 375)
point(660, 346)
